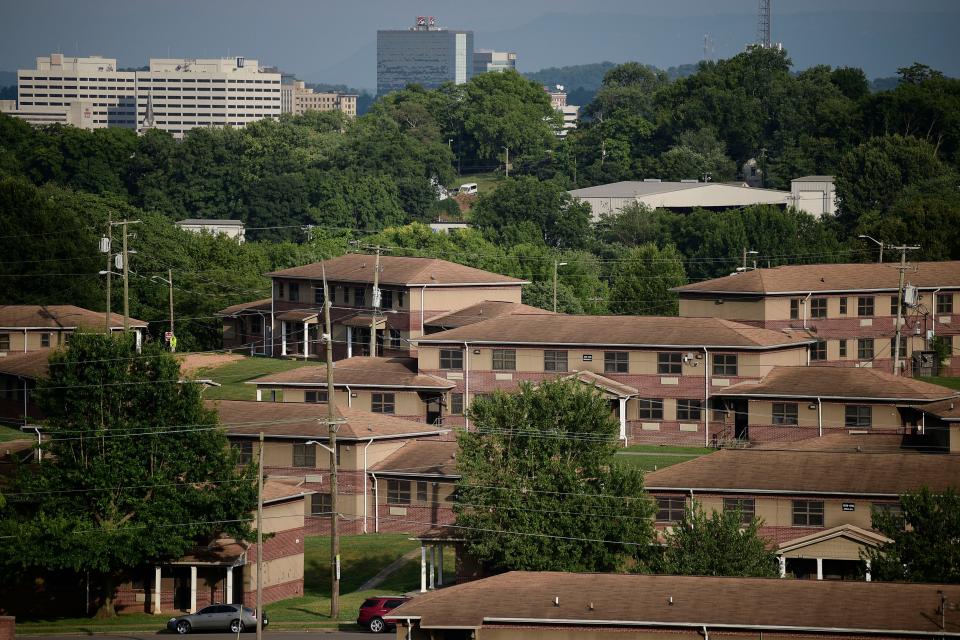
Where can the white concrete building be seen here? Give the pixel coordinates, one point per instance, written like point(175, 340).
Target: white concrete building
point(76, 113)
point(485, 60)
point(230, 228)
point(815, 195)
point(186, 93)
point(678, 196)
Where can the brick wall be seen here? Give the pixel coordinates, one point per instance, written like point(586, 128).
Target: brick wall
point(8, 627)
point(281, 544)
point(275, 593)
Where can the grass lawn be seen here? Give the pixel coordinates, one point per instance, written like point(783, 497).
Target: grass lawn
point(361, 557)
point(953, 383)
point(652, 457)
point(7, 434)
point(486, 182)
point(233, 375)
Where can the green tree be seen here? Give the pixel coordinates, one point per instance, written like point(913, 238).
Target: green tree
point(136, 470)
point(540, 294)
point(718, 544)
point(642, 283)
point(539, 488)
point(925, 538)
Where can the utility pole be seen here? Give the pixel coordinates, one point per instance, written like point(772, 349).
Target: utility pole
point(106, 246)
point(332, 441)
point(902, 269)
point(173, 339)
point(506, 165)
point(126, 274)
point(376, 305)
point(555, 266)
point(260, 540)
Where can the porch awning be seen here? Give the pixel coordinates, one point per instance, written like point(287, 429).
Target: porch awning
point(611, 387)
point(843, 542)
point(223, 552)
point(363, 321)
point(297, 316)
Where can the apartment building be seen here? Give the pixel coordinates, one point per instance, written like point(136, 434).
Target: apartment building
point(591, 606)
point(796, 403)
point(173, 95)
point(816, 505)
point(849, 309)
point(659, 374)
point(29, 327)
point(19, 373)
point(292, 432)
point(410, 291)
point(297, 98)
point(387, 386)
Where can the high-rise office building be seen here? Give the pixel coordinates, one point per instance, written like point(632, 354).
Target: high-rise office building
point(182, 93)
point(425, 54)
point(485, 60)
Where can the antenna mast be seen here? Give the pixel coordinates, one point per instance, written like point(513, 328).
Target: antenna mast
point(763, 25)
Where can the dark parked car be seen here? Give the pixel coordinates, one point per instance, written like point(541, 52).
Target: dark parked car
point(218, 617)
point(373, 610)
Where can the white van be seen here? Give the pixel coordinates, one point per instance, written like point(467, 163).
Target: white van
point(469, 188)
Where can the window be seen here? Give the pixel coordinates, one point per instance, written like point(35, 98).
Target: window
point(421, 491)
point(724, 364)
point(858, 416)
point(315, 396)
point(44, 339)
point(795, 309)
point(400, 299)
point(865, 348)
point(4, 342)
point(616, 362)
point(256, 325)
point(554, 360)
point(892, 508)
point(294, 292)
point(807, 513)
point(456, 404)
point(320, 504)
point(818, 350)
point(894, 307)
point(746, 506)
point(359, 297)
point(650, 408)
point(843, 306)
point(818, 307)
point(843, 347)
point(318, 295)
point(688, 409)
point(395, 339)
point(903, 346)
point(669, 362)
point(386, 299)
point(670, 509)
point(383, 403)
point(865, 306)
point(945, 303)
point(244, 451)
point(398, 492)
point(785, 413)
point(273, 395)
point(304, 455)
point(451, 359)
point(504, 359)
point(280, 290)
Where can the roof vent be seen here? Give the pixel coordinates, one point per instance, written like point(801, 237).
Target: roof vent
point(670, 601)
point(591, 606)
point(651, 179)
point(556, 601)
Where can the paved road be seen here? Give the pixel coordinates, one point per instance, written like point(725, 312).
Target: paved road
point(319, 634)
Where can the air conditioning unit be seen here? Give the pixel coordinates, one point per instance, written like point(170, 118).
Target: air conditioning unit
point(910, 295)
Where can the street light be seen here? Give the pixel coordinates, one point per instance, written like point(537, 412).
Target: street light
point(555, 266)
point(866, 237)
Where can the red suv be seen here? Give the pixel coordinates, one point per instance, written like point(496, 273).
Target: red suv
point(373, 610)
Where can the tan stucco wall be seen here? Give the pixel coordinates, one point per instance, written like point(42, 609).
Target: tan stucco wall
point(838, 548)
point(276, 571)
point(729, 310)
point(453, 298)
point(34, 339)
point(834, 414)
point(283, 516)
point(776, 511)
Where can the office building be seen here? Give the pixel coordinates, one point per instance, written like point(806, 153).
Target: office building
point(173, 95)
point(425, 54)
point(485, 60)
point(297, 98)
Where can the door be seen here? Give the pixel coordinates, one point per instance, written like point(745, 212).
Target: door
point(741, 420)
point(434, 409)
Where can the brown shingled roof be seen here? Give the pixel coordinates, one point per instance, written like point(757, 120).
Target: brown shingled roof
point(30, 365)
point(246, 307)
point(58, 316)
point(482, 311)
point(684, 333)
point(804, 278)
point(691, 602)
point(361, 371)
point(845, 442)
point(848, 383)
point(421, 458)
point(810, 472)
point(396, 270)
point(948, 410)
point(301, 420)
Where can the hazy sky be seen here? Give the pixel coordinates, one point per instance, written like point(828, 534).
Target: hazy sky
point(333, 40)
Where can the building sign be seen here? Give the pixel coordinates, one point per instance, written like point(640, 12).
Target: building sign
point(849, 506)
point(588, 357)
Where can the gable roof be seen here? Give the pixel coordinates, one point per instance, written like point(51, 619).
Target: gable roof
point(868, 441)
point(397, 271)
point(360, 371)
point(627, 331)
point(686, 603)
point(827, 278)
point(30, 365)
point(246, 307)
point(302, 420)
point(809, 472)
point(421, 458)
point(643, 188)
point(602, 382)
point(849, 531)
point(838, 383)
point(946, 410)
point(58, 316)
point(482, 311)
